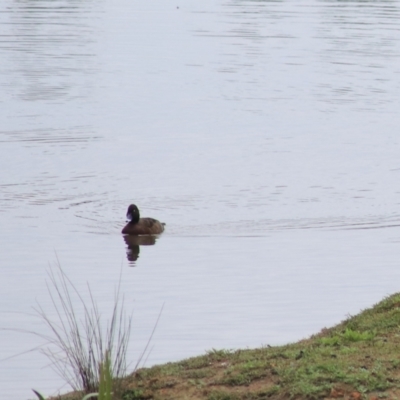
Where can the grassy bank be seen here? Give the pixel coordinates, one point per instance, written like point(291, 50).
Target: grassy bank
point(357, 359)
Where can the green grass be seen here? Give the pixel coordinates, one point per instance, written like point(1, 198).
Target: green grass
point(79, 341)
point(359, 354)
point(105, 386)
point(362, 355)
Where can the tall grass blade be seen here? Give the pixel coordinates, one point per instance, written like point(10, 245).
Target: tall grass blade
point(38, 395)
point(105, 379)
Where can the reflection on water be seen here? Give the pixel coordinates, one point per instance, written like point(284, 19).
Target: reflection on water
point(352, 46)
point(48, 66)
point(360, 44)
point(133, 246)
point(41, 137)
point(262, 227)
point(48, 48)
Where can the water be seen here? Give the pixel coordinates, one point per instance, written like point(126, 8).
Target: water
point(263, 133)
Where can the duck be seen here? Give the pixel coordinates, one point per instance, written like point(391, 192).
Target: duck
point(141, 226)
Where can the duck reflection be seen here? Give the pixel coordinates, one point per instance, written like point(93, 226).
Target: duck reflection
point(134, 243)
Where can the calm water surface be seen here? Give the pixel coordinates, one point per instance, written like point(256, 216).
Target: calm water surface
point(264, 133)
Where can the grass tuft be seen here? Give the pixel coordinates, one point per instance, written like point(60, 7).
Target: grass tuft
point(77, 347)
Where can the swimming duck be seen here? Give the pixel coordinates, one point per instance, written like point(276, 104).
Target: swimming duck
point(141, 226)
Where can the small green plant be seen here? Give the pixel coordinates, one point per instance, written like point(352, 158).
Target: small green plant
point(330, 341)
point(87, 356)
point(355, 336)
point(349, 335)
point(133, 394)
point(77, 347)
point(219, 354)
point(105, 382)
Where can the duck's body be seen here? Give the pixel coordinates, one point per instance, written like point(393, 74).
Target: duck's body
point(145, 226)
point(141, 226)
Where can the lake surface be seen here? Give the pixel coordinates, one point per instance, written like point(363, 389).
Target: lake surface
point(264, 133)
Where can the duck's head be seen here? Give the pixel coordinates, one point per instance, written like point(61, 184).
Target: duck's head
point(133, 215)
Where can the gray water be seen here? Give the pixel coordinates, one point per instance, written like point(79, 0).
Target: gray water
point(265, 135)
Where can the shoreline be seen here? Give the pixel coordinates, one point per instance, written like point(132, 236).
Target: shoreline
point(357, 359)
